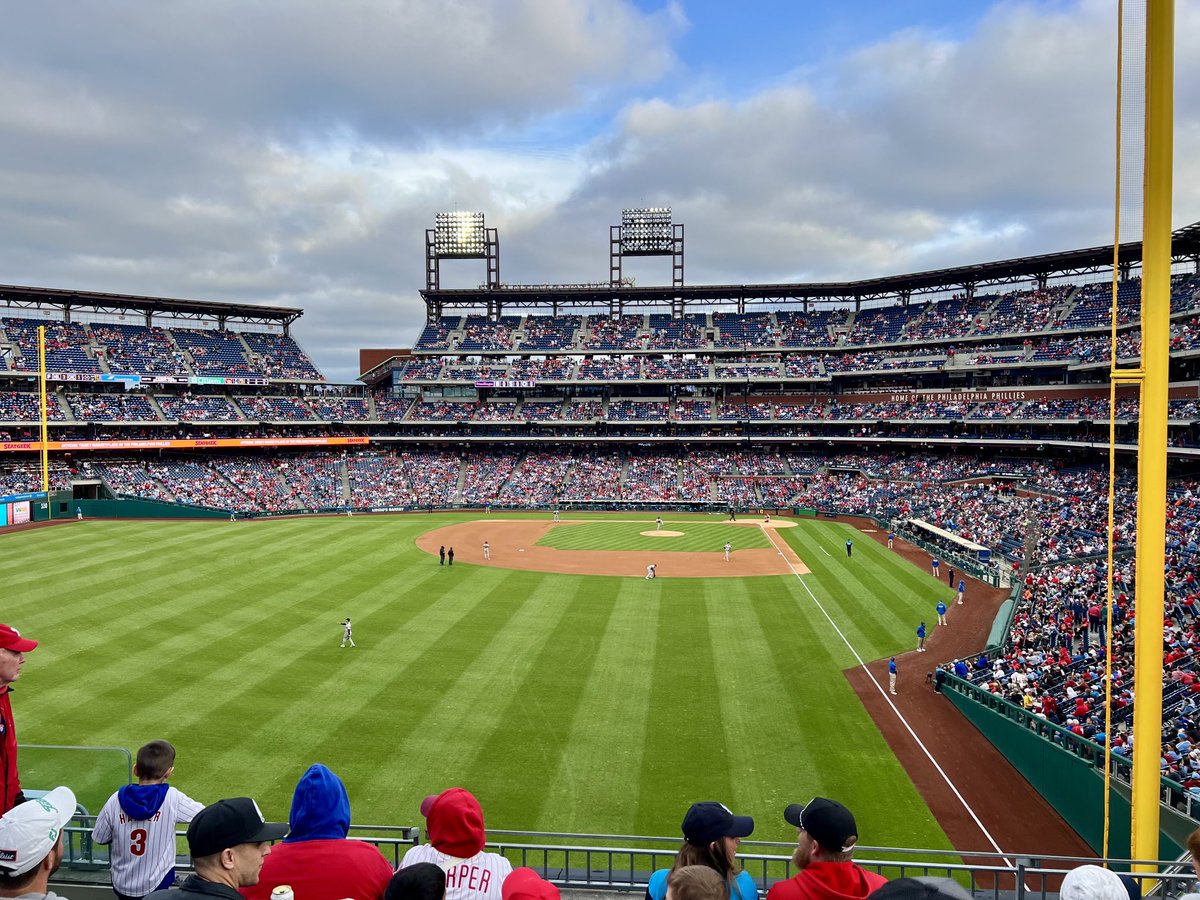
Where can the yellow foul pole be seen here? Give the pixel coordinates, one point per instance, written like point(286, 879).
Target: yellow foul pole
point(1152, 435)
point(42, 391)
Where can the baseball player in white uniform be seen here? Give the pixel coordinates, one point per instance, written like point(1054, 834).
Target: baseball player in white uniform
point(650, 570)
point(139, 821)
point(728, 550)
point(487, 550)
point(347, 636)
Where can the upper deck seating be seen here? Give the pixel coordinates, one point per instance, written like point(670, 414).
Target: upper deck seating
point(550, 332)
point(136, 349)
point(215, 353)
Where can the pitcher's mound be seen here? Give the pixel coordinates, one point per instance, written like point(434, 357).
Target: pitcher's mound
point(661, 533)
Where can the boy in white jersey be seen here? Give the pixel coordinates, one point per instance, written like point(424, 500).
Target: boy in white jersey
point(139, 821)
point(454, 822)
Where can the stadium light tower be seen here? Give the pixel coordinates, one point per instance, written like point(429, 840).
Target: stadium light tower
point(646, 231)
point(460, 235)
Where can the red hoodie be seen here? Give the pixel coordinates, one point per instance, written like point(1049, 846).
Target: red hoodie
point(828, 881)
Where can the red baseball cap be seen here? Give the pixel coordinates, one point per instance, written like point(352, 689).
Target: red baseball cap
point(10, 639)
point(526, 884)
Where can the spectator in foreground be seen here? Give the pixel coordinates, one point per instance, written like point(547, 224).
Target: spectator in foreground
point(228, 842)
point(316, 858)
point(31, 838)
point(454, 821)
point(1092, 883)
point(711, 834)
point(696, 883)
point(139, 821)
point(13, 648)
point(526, 884)
point(421, 881)
point(825, 843)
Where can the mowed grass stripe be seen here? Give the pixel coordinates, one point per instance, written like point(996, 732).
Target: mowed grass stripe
point(816, 717)
point(749, 680)
point(688, 759)
point(159, 656)
point(697, 537)
point(877, 598)
point(611, 719)
point(457, 697)
point(532, 733)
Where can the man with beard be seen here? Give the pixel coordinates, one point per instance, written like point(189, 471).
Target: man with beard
point(825, 843)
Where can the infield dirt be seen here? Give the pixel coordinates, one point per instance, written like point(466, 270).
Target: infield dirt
point(513, 545)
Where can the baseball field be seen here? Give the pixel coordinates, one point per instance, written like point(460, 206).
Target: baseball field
point(582, 699)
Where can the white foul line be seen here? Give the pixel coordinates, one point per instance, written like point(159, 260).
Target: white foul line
point(823, 550)
point(884, 694)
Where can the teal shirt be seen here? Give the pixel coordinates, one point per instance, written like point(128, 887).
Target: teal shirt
point(743, 887)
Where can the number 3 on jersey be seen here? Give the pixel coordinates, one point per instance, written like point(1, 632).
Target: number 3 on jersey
point(137, 841)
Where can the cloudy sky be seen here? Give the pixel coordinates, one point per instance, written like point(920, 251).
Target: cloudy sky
point(293, 152)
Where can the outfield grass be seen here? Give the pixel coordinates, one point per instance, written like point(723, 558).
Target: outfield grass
point(698, 536)
point(566, 703)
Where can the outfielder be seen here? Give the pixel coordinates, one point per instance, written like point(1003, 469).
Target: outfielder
point(140, 820)
point(347, 636)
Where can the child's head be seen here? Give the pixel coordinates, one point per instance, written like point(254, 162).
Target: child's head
point(155, 761)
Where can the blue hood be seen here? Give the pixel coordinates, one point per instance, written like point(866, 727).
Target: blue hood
point(320, 807)
point(141, 801)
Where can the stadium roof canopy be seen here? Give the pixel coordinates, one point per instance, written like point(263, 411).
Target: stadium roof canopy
point(1040, 269)
point(37, 298)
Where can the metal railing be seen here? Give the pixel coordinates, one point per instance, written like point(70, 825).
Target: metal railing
point(625, 862)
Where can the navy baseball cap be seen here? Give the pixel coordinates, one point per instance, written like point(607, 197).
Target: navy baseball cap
point(228, 823)
point(827, 822)
point(709, 821)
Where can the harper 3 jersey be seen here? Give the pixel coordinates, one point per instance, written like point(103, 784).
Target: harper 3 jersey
point(139, 821)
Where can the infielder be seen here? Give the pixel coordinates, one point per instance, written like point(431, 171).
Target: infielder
point(140, 820)
point(487, 550)
point(728, 549)
point(347, 636)
point(650, 569)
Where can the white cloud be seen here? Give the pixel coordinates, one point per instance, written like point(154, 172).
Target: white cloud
point(295, 152)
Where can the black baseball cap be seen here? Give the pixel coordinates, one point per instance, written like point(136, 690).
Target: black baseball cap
point(228, 823)
point(828, 823)
point(708, 821)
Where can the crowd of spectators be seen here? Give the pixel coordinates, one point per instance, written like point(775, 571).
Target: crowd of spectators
point(138, 349)
point(1053, 662)
point(484, 475)
point(609, 333)
point(111, 407)
point(24, 406)
point(651, 477)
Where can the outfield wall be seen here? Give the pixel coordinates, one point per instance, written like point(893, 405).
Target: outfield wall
point(138, 509)
point(1067, 770)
